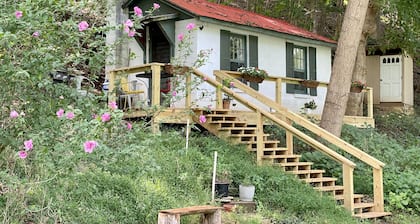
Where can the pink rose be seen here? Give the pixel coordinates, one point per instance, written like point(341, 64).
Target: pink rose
point(138, 11)
point(14, 114)
point(202, 119)
point(106, 117)
point(131, 33)
point(70, 115)
point(156, 6)
point(83, 26)
point(28, 145)
point(129, 126)
point(113, 105)
point(180, 36)
point(60, 113)
point(23, 154)
point(18, 14)
point(90, 146)
point(190, 26)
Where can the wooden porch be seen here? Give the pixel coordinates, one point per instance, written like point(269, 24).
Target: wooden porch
point(246, 127)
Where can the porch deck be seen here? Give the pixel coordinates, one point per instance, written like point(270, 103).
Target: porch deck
point(154, 72)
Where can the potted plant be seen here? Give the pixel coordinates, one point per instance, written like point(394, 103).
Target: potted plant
point(246, 189)
point(226, 101)
point(309, 106)
point(357, 86)
point(226, 98)
point(222, 183)
point(253, 74)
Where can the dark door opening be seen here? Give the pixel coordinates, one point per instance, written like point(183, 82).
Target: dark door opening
point(160, 48)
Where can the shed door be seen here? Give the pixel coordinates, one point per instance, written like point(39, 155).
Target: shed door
point(391, 78)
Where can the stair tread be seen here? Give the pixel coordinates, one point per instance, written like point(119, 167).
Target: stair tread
point(280, 156)
point(295, 163)
point(221, 115)
point(321, 179)
point(371, 215)
point(238, 128)
point(277, 149)
point(305, 171)
point(341, 197)
point(329, 188)
point(364, 205)
point(247, 135)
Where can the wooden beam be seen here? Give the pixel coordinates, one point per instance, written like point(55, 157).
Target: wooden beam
point(260, 133)
point(188, 96)
point(278, 90)
point(378, 190)
point(155, 85)
point(348, 188)
point(111, 87)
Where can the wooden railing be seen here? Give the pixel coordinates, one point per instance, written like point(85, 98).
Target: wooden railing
point(284, 118)
point(290, 117)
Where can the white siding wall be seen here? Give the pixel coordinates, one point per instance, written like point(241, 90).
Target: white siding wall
point(271, 56)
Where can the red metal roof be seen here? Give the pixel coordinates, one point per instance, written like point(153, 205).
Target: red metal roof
point(239, 16)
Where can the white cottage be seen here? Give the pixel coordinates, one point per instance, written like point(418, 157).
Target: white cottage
point(237, 38)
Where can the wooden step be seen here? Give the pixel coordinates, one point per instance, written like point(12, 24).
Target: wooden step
point(295, 166)
point(270, 151)
point(269, 144)
point(363, 205)
point(221, 117)
point(372, 215)
point(332, 189)
point(309, 172)
point(321, 179)
point(239, 130)
point(281, 158)
point(228, 124)
point(356, 197)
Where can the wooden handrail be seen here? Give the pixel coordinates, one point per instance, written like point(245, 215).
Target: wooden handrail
point(376, 165)
point(334, 155)
point(363, 156)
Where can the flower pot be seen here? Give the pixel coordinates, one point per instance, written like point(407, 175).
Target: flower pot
point(222, 190)
point(246, 192)
point(226, 104)
point(356, 89)
point(252, 78)
point(309, 83)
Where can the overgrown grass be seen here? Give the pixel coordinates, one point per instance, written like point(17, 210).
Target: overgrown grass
point(132, 174)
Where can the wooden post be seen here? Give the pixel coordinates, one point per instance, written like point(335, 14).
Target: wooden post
point(378, 190)
point(278, 91)
point(188, 90)
point(260, 134)
point(169, 218)
point(155, 85)
point(370, 102)
point(111, 86)
point(219, 104)
point(348, 188)
point(289, 140)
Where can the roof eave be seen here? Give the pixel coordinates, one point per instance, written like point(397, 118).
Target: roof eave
point(267, 32)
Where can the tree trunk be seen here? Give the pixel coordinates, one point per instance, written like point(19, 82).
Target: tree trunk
point(355, 101)
point(340, 81)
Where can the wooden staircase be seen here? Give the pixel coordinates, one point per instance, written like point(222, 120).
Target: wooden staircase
point(229, 126)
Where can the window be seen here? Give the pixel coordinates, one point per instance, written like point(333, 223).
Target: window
point(297, 67)
point(238, 50)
